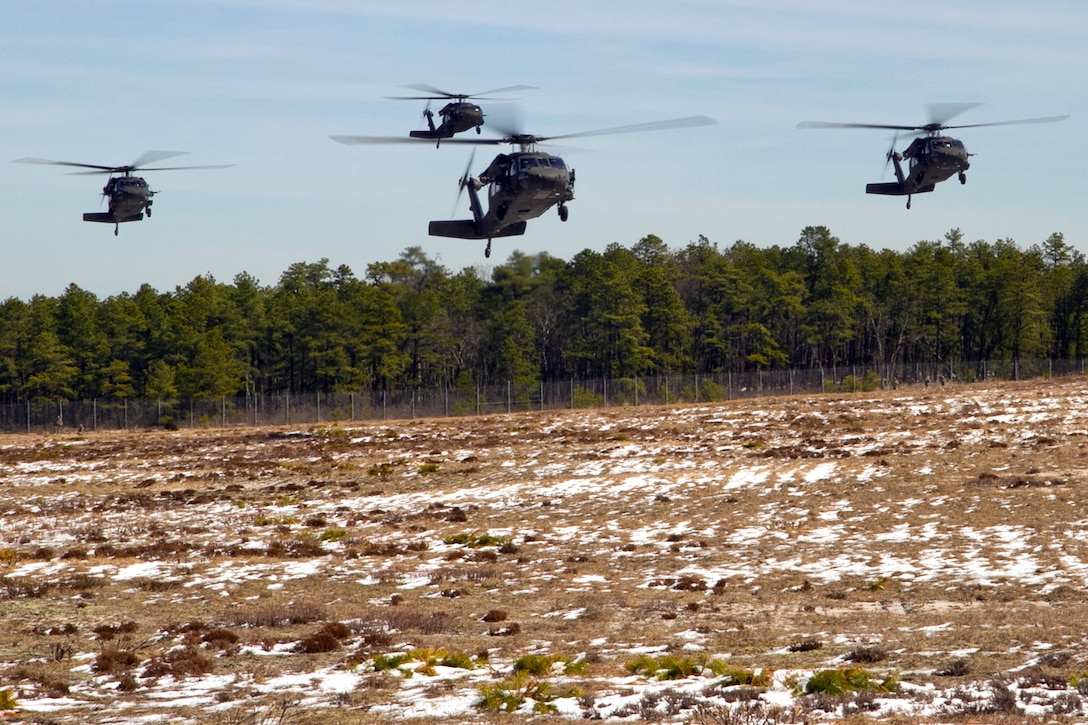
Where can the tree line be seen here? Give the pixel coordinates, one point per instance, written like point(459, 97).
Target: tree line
point(624, 312)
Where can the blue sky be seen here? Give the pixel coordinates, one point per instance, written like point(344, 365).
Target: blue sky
point(263, 83)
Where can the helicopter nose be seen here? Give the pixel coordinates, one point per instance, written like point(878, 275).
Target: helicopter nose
point(546, 176)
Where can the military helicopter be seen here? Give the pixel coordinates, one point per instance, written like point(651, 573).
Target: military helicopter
point(458, 115)
point(130, 196)
point(523, 184)
point(934, 157)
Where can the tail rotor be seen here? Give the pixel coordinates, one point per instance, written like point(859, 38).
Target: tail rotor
point(465, 180)
point(890, 155)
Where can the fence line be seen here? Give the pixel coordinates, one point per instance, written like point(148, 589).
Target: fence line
point(368, 405)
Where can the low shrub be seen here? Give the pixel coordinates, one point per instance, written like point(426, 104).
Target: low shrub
point(841, 681)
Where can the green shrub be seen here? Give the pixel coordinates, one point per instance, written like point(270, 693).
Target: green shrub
point(668, 667)
point(585, 398)
point(7, 700)
point(732, 676)
point(839, 682)
point(510, 694)
point(475, 541)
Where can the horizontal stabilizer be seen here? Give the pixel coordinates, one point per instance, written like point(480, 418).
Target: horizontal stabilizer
point(890, 188)
point(893, 188)
point(466, 229)
point(107, 218)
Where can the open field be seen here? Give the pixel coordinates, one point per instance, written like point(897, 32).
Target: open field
point(718, 563)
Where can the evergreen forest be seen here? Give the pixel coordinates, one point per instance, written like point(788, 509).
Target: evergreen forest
point(643, 310)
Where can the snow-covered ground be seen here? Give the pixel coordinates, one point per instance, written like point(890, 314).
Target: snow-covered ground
point(682, 564)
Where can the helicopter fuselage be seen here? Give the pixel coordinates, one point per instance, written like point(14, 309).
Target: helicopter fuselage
point(457, 117)
point(932, 159)
point(521, 186)
point(129, 198)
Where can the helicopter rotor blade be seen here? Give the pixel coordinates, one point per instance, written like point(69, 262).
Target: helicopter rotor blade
point(686, 122)
point(941, 113)
point(828, 124)
point(151, 157)
point(1018, 122)
point(437, 94)
point(360, 140)
point(102, 169)
point(184, 168)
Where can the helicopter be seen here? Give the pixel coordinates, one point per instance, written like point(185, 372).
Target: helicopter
point(457, 116)
point(130, 196)
point(522, 184)
point(933, 158)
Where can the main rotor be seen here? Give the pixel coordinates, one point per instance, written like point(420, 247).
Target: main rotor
point(126, 170)
point(437, 94)
point(939, 115)
point(527, 141)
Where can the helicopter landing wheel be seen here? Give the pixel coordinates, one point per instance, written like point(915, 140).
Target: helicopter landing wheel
point(563, 213)
point(478, 131)
point(963, 178)
point(487, 250)
point(115, 226)
point(908, 202)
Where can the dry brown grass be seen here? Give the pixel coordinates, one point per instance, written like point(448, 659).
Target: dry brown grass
point(332, 543)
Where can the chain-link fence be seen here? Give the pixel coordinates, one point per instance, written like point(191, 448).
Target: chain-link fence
point(316, 408)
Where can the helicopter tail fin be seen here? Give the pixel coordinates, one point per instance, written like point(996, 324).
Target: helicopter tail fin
point(467, 229)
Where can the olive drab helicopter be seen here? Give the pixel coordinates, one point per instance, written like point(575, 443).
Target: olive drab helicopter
point(129, 196)
point(933, 158)
point(458, 115)
point(522, 184)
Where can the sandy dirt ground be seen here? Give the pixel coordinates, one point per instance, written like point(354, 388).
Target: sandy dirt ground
point(714, 563)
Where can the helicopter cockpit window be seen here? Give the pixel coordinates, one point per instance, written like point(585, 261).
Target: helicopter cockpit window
point(527, 163)
point(557, 162)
